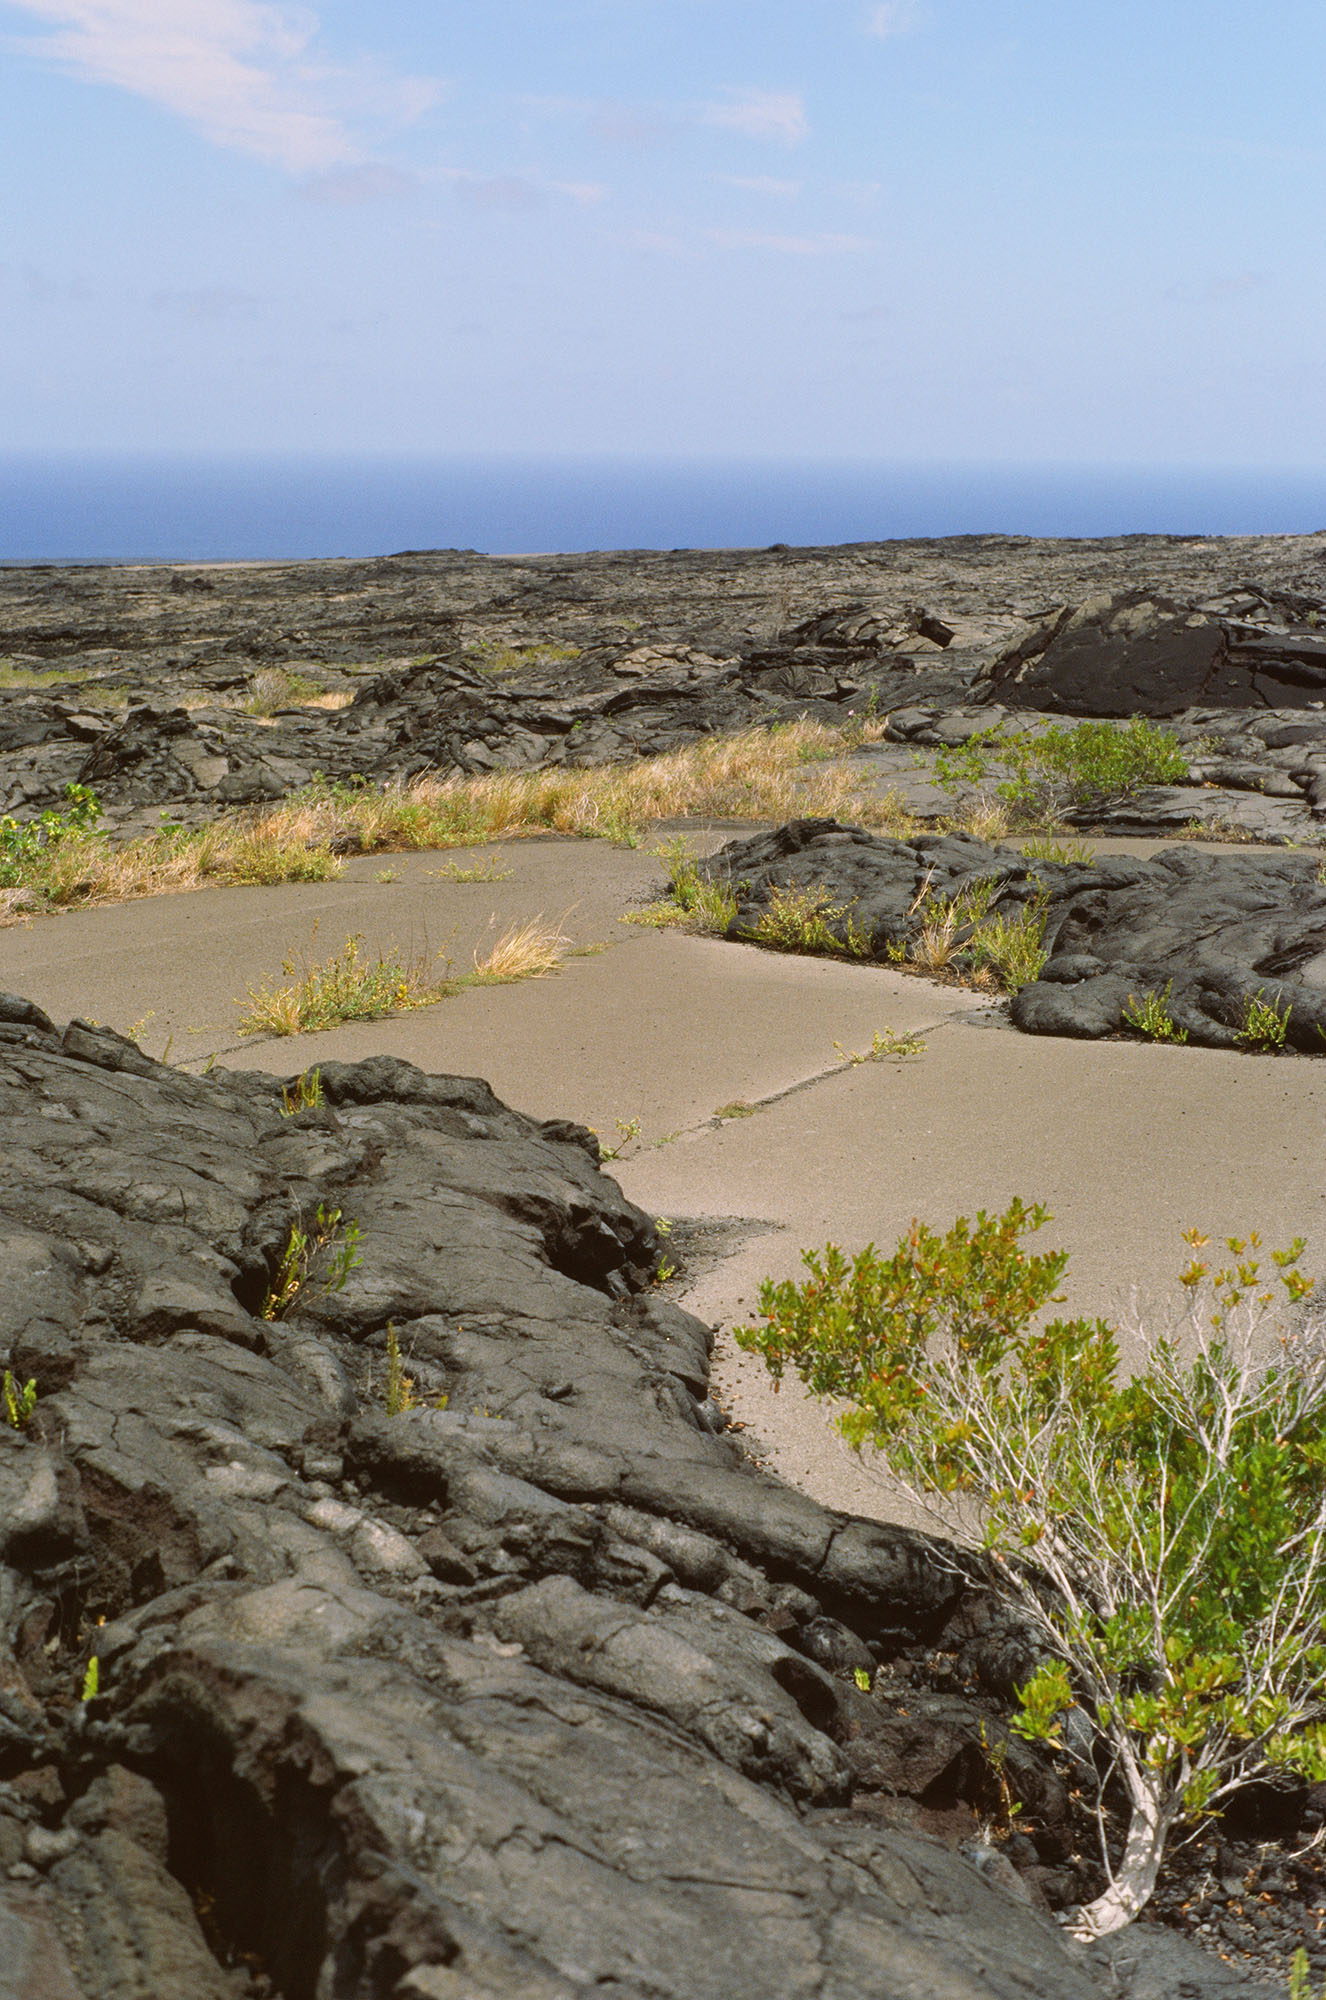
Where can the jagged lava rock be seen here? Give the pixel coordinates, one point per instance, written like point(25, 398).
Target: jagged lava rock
point(1133, 653)
point(535, 1688)
point(1215, 929)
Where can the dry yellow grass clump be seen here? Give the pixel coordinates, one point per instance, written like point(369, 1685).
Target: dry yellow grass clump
point(758, 774)
point(355, 985)
point(771, 774)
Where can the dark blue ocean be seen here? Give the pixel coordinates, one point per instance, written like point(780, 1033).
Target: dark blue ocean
point(139, 507)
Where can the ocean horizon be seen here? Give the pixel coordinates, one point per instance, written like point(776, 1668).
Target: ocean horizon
point(120, 506)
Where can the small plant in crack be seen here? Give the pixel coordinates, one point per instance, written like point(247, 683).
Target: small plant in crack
point(304, 1094)
point(1066, 853)
point(996, 1757)
point(1151, 1017)
point(486, 869)
point(19, 1400)
point(693, 902)
point(398, 1392)
point(886, 1043)
point(628, 1131)
point(808, 920)
point(1264, 1024)
point(331, 1239)
point(351, 986)
point(1301, 1985)
point(946, 923)
point(1014, 946)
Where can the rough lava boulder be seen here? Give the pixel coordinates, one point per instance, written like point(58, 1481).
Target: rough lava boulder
point(1137, 653)
point(530, 1690)
point(1212, 931)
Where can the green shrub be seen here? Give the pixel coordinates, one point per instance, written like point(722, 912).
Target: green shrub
point(1264, 1024)
point(1150, 1016)
point(1013, 947)
point(804, 920)
point(332, 1241)
point(1058, 770)
point(1164, 1536)
point(1088, 764)
point(25, 846)
point(960, 765)
point(17, 1400)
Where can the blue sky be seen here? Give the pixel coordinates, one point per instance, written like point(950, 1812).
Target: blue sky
point(931, 229)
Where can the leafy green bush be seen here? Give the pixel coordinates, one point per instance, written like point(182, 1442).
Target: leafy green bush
point(1151, 1018)
point(1083, 766)
point(24, 845)
point(1013, 946)
point(804, 920)
point(1164, 1536)
point(1058, 770)
point(1264, 1024)
point(18, 1400)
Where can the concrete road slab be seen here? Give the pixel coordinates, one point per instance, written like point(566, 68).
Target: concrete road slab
point(1126, 1143)
point(657, 1027)
point(661, 1028)
point(191, 957)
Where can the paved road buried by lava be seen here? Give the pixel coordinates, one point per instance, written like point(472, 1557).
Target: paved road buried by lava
point(1126, 1142)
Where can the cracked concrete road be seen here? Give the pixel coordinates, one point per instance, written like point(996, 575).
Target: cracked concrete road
point(1126, 1143)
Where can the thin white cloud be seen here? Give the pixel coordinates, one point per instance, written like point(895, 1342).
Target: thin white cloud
point(762, 184)
point(896, 17)
point(347, 187)
point(496, 190)
point(631, 125)
point(588, 193)
point(864, 194)
point(788, 246)
point(760, 114)
point(245, 72)
point(611, 121)
point(514, 191)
